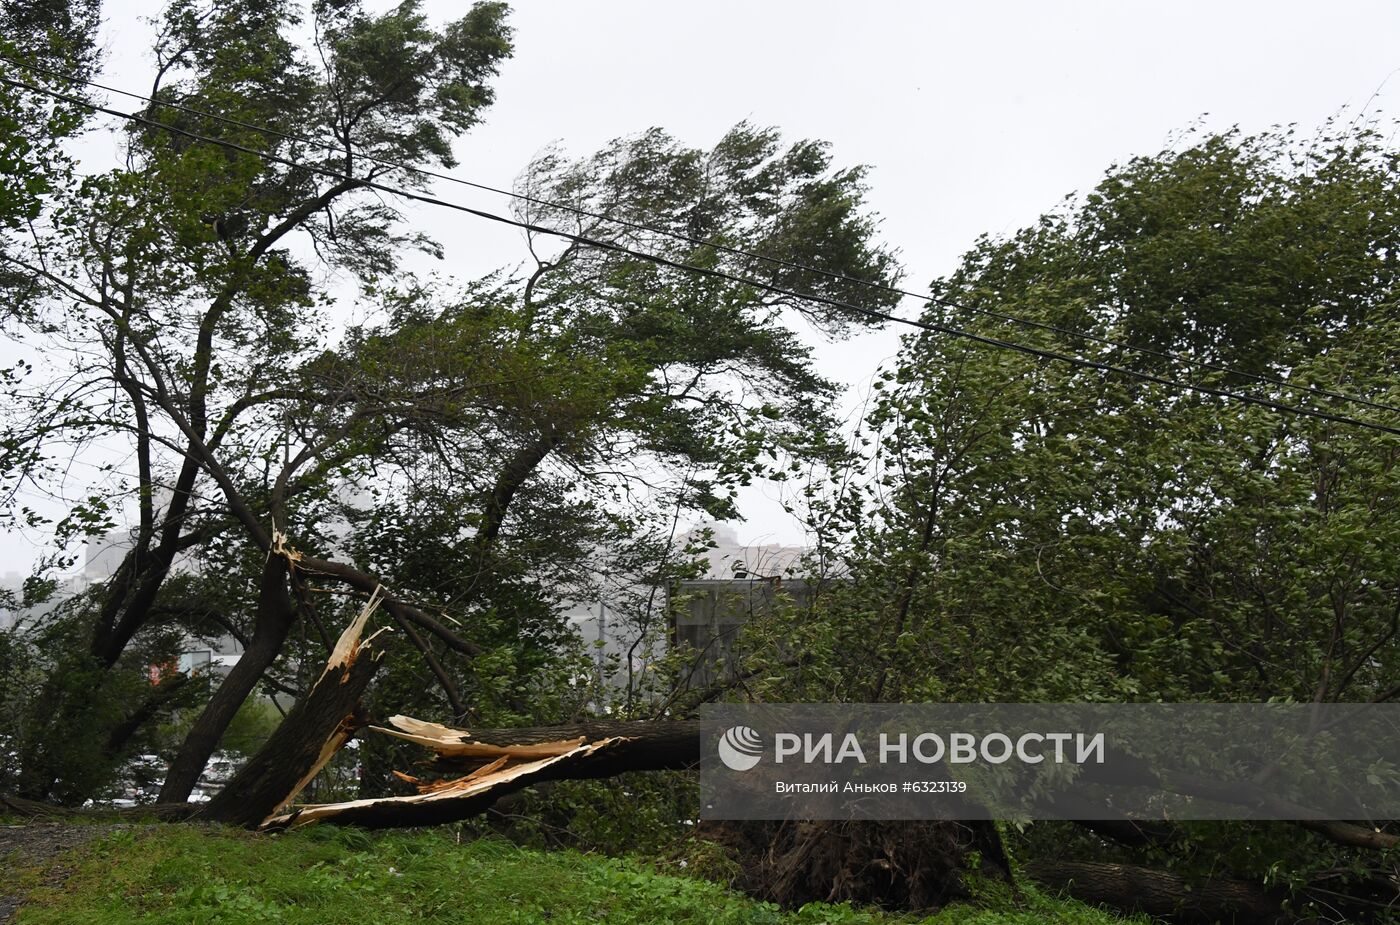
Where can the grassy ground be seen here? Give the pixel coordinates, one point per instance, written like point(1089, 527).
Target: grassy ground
point(190, 876)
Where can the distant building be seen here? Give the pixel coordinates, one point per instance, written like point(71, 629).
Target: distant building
point(707, 615)
point(19, 619)
point(703, 614)
point(729, 558)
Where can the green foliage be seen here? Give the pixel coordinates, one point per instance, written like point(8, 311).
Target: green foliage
point(251, 726)
point(490, 449)
point(202, 308)
point(1033, 531)
point(43, 665)
point(1010, 530)
point(54, 34)
point(578, 412)
point(646, 813)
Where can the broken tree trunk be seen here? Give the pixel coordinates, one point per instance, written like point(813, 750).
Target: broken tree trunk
point(643, 745)
point(314, 730)
point(495, 763)
point(915, 864)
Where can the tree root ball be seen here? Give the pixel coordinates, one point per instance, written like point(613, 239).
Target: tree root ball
point(905, 865)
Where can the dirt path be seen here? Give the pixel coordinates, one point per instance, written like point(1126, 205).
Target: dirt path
point(39, 844)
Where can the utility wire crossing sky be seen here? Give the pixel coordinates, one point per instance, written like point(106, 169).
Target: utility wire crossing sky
point(1301, 388)
point(720, 274)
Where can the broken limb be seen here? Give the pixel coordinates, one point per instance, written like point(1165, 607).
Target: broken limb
point(494, 763)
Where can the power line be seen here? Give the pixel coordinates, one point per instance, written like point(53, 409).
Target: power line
point(659, 260)
point(1170, 356)
point(891, 290)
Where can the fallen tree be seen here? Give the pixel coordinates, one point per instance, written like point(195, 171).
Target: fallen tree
point(913, 864)
point(495, 763)
point(908, 865)
point(1160, 893)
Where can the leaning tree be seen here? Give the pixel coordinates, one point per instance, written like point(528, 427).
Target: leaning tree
point(470, 450)
point(169, 304)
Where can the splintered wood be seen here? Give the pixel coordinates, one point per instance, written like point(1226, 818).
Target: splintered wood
point(348, 646)
point(456, 743)
point(504, 769)
point(315, 729)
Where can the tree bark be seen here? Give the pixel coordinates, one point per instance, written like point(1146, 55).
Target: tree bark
point(645, 745)
point(1161, 894)
point(315, 729)
point(502, 761)
point(274, 621)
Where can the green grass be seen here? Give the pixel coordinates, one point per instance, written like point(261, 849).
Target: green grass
point(190, 876)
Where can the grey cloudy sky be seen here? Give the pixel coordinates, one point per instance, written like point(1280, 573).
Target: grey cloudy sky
point(973, 117)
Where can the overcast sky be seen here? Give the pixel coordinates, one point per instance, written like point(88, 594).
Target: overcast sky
point(973, 117)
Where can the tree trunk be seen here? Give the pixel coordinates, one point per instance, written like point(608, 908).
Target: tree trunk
point(644, 745)
point(1161, 894)
point(500, 769)
point(274, 621)
point(164, 693)
point(315, 729)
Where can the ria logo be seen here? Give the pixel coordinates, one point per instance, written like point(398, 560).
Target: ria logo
point(740, 748)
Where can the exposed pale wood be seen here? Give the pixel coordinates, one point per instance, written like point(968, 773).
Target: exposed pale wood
point(646, 745)
point(348, 645)
point(456, 743)
point(444, 801)
point(483, 766)
point(431, 786)
point(314, 730)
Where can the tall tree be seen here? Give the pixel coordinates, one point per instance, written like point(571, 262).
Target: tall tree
point(481, 452)
point(629, 394)
point(1038, 531)
point(180, 269)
